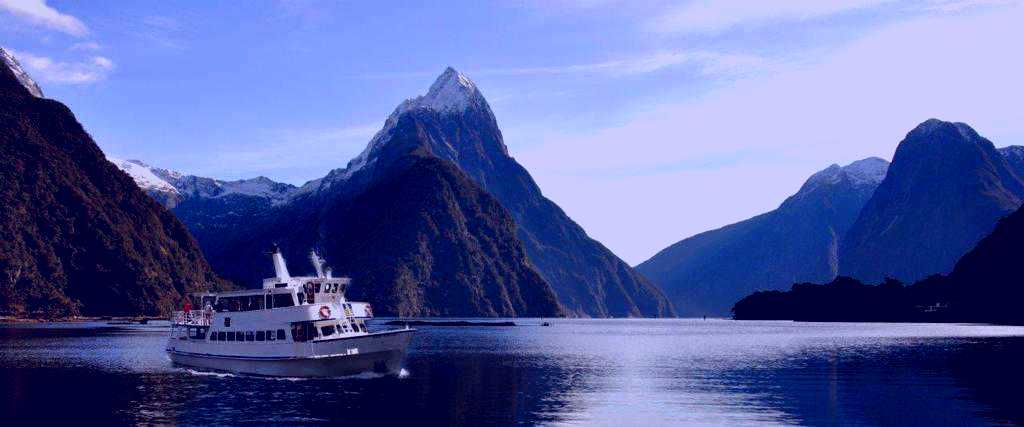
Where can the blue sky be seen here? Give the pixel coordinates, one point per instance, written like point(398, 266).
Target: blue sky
point(646, 121)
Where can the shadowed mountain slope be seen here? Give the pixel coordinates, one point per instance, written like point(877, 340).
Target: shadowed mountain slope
point(797, 242)
point(77, 236)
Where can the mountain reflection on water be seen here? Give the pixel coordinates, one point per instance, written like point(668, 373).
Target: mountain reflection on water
point(629, 372)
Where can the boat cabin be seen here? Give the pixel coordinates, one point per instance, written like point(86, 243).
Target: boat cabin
point(295, 309)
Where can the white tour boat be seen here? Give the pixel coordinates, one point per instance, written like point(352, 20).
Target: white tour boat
point(292, 327)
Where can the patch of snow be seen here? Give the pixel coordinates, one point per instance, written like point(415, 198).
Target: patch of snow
point(871, 170)
point(143, 176)
point(259, 187)
point(152, 178)
point(451, 92)
point(20, 73)
point(829, 175)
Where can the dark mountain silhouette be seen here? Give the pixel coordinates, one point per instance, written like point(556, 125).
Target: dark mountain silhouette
point(797, 242)
point(457, 125)
point(986, 285)
point(988, 281)
point(417, 236)
point(77, 236)
point(844, 299)
point(945, 190)
point(453, 123)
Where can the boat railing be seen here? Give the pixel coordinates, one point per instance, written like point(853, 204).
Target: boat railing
point(192, 317)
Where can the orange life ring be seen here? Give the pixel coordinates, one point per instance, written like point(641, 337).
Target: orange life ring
point(325, 311)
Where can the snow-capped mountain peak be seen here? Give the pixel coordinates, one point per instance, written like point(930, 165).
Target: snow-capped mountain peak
point(451, 92)
point(143, 175)
point(20, 73)
point(169, 186)
point(869, 171)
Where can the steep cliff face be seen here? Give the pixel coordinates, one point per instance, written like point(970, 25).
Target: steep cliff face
point(797, 242)
point(416, 235)
point(456, 124)
point(945, 190)
point(426, 241)
point(77, 236)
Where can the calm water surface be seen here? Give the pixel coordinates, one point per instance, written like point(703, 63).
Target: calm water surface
point(624, 372)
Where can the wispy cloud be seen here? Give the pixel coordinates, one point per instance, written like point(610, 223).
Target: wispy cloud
point(86, 46)
point(160, 31)
point(717, 16)
point(39, 13)
point(857, 100)
point(961, 5)
point(707, 16)
point(80, 72)
point(706, 62)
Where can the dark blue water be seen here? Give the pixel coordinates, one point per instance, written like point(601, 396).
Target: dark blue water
point(623, 372)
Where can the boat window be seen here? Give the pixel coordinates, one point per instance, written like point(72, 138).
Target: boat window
point(303, 331)
point(269, 303)
point(250, 336)
point(327, 330)
point(213, 336)
point(301, 297)
point(227, 322)
point(231, 336)
point(283, 300)
point(298, 333)
point(270, 335)
point(280, 334)
point(220, 336)
point(362, 327)
point(261, 335)
point(316, 287)
point(239, 336)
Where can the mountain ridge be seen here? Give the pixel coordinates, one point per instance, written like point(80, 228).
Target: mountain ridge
point(946, 189)
point(589, 279)
point(77, 236)
point(453, 122)
point(798, 241)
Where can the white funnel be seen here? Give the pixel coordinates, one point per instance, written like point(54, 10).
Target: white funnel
point(318, 263)
point(280, 269)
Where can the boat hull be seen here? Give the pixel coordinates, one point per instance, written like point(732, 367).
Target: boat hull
point(380, 353)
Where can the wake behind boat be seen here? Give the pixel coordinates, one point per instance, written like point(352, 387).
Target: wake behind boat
point(292, 327)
